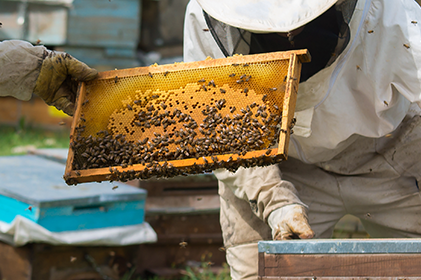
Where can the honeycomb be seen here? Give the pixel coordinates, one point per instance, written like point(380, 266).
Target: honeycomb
point(180, 119)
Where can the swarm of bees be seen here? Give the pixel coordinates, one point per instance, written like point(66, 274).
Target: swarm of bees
point(219, 128)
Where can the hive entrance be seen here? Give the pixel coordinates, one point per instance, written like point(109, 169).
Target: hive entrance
point(182, 119)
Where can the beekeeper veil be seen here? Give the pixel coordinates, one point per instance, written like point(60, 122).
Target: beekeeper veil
point(260, 26)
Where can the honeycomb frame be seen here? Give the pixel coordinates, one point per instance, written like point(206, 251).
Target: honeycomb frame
point(289, 93)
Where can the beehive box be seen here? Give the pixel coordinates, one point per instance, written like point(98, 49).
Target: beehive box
point(340, 259)
point(31, 186)
point(184, 118)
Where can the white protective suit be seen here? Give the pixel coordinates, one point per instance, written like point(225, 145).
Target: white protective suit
point(356, 144)
point(20, 64)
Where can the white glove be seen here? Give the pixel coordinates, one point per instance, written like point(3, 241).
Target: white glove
point(290, 222)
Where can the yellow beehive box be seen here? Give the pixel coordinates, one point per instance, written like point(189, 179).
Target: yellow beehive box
point(184, 118)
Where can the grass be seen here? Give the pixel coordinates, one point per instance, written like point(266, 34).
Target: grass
point(15, 140)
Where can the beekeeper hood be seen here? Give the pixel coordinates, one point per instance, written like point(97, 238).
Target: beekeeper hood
point(258, 26)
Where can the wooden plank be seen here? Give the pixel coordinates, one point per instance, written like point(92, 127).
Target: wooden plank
point(81, 93)
point(355, 265)
point(203, 64)
point(261, 263)
point(15, 263)
point(290, 100)
point(102, 174)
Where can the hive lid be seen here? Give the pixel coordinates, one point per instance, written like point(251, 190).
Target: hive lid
point(38, 181)
point(342, 246)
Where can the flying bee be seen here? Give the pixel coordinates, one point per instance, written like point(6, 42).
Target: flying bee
point(73, 259)
point(36, 43)
point(115, 187)
point(183, 244)
point(29, 208)
point(414, 22)
point(61, 123)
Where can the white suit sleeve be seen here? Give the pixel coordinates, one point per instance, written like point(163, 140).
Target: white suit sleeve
point(198, 41)
point(20, 64)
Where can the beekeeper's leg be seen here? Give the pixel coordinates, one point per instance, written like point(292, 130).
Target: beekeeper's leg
point(387, 199)
point(241, 224)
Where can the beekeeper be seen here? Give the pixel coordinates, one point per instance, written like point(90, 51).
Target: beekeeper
point(53, 76)
point(357, 141)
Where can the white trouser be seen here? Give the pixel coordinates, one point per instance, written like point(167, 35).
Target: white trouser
point(373, 179)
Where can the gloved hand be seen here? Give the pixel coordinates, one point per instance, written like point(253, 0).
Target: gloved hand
point(290, 222)
point(58, 79)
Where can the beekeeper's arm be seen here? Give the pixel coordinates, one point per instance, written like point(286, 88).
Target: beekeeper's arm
point(27, 69)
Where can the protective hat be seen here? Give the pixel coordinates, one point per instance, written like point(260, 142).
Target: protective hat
point(266, 15)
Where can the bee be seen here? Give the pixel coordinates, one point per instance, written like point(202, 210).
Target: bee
point(166, 73)
point(386, 103)
point(73, 259)
point(370, 31)
point(245, 65)
point(273, 89)
point(243, 76)
point(199, 199)
point(246, 90)
point(116, 79)
point(285, 79)
point(85, 102)
point(29, 208)
point(204, 88)
point(264, 97)
point(222, 249)
point(414, 22)
point(205, 160)
point(183, 244)
point(406, 46)
point(129, 107)
point(239, 81)
point(232, 75)
point(115, 187)
point(36, 43)
point(276, 107)
point(368, 215)
point(77, 173)
point(248, 78)
point(210, 263)
point(358, 67)
point(205, 29)
point(201, 81)
point(268, 152)
point(150, 74)
point(222, 90)
point(235, 64)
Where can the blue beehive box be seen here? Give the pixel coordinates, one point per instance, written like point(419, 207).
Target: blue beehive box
point(37, 182)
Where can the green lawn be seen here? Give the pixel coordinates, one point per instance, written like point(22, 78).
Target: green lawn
point(15, 141)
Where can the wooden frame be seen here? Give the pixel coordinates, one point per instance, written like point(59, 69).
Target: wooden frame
point(295, 59)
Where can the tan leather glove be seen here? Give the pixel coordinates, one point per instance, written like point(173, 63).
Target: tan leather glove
point(58, 80)
point(290, 222)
